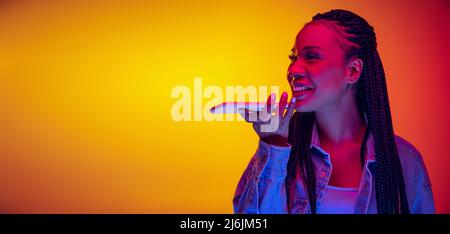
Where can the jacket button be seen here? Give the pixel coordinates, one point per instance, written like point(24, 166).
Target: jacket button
point(323, 174)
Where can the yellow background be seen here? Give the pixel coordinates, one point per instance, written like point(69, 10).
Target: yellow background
point(85, 123)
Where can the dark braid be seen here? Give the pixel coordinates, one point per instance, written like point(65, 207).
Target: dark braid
point(373, 102)
point(302, 124)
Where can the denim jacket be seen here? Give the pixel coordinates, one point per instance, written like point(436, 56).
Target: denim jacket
point(261, 189)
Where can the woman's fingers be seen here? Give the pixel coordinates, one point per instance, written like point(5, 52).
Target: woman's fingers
point(283, 102)
point(290, 111)
point(248, 115)
point(270, 104)
point(265, 114)
point(252, 116)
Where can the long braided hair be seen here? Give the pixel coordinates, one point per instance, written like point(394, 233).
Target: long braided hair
point(372, 99)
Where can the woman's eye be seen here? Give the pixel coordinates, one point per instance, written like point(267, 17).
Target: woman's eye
point(311, 56)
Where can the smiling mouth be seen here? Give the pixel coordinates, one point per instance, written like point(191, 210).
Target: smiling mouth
point(301, 91)
point(299, 88)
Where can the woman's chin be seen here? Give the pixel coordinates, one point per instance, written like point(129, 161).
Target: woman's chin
point(303, 107)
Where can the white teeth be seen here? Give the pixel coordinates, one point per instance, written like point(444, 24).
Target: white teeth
point(300, 88)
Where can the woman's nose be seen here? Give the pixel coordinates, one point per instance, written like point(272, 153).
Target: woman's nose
point(296, 67)
point(296, 71)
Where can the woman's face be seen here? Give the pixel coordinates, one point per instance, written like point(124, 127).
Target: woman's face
point(318, 67)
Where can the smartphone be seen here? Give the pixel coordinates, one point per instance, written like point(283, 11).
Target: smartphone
point(237, 107)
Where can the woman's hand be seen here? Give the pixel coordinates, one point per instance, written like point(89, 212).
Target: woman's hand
point(259, 119)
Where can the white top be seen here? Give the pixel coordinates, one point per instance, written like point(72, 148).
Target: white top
point(338, 200)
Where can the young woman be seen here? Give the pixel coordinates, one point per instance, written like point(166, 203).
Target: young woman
point(337, 153)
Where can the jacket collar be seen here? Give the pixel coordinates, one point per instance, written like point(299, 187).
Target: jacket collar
point(370, 147)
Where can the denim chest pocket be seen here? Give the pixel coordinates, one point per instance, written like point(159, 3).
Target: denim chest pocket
point(298, 206)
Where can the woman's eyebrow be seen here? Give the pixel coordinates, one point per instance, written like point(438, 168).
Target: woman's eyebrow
point(311, 47)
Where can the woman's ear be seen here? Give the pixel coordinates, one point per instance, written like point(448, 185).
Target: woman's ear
point(354, 70)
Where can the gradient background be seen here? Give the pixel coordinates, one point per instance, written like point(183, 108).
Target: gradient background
point(85, 123)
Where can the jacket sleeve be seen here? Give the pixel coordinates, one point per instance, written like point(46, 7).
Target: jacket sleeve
point(423, 202)
point(261, 189)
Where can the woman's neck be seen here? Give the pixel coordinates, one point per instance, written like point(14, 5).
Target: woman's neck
point(340, 122)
